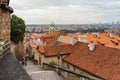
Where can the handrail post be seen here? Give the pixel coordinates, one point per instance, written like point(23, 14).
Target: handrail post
point(58, 57)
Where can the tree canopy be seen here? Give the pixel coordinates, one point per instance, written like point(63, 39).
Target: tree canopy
point(17, 29)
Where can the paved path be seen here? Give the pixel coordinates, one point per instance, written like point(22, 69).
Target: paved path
point(31, 67)
point(37, 73)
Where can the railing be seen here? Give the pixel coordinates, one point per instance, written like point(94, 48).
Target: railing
point(4, 49)
point(67, 74)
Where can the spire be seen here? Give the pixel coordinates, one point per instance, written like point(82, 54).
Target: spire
point(51, 27)
point(52, 24)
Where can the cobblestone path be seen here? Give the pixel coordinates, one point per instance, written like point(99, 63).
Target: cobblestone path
point(37, 73)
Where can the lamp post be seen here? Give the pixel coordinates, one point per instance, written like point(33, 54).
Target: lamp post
point(58, 57)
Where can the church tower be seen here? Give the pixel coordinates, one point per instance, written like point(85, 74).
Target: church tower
point(51, 28)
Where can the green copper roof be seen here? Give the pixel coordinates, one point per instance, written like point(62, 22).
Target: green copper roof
point(52, 26)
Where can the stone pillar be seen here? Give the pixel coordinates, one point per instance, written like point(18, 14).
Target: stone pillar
point(5, 20)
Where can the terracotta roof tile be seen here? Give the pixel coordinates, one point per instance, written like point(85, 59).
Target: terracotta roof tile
point(49, 39)
point(35, 36)
point(105, 39)
point(53, 43)
point(63, 33)
point(42, 49)
point(33, 46)
point(103, 61)
point(62, 49)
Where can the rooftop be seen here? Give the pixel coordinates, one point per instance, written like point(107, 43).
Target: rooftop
point(103, 61)
point(100, 38)
point(66, 39)
point(52, 50)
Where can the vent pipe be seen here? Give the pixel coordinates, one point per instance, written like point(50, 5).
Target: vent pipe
point(91, 46)
point(111, 35)
point(98, 34)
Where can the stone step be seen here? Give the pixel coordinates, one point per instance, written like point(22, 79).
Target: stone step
point(44, 75)
point(37, 73)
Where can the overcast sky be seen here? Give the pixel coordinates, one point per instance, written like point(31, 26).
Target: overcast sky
point(67, 11)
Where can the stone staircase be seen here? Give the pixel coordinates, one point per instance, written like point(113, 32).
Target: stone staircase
point(45, 75)
point(37, 73)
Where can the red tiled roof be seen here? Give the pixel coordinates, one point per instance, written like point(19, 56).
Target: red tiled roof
point(63, 33)
point(76, 36)
point(49, 37)
point(53, 50)
point(35, 36)
point(103, 61)
point(33, 46)
point(49, 40)
point(54, 34)
point(104, 38)
point(53, 43)
point(42, 49)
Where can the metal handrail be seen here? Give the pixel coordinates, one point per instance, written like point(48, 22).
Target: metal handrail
point(4, 49)
point(68, 71)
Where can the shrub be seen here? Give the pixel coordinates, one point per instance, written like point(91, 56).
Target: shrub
point(53, 63)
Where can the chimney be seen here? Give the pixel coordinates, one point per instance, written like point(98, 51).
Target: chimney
point(111, 35)
point(38, 41)
point(45, 35)
point(98, 34)
point(94, 35)
point(91, 46)
point(72, 40)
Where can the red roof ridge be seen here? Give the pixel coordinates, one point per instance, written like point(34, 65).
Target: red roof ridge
point(100, 61)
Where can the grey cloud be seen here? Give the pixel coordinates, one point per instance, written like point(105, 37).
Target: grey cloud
point(66, 10)
point(32, 4)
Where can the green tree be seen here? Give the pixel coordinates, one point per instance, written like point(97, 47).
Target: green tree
point(17, 29)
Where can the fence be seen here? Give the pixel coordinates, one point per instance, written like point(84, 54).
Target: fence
point(67, 74)
point(4, 49)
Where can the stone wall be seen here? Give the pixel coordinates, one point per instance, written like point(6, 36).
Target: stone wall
point(79, 71)
point(5, 22)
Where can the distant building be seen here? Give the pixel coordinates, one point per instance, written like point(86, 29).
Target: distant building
point(52, 28)
point(50, 52)
point(67, 39)
point(109, 39)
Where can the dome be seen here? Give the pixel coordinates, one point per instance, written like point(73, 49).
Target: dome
point(52, 26)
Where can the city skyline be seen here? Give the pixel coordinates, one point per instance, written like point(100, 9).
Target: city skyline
point(67, 11)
